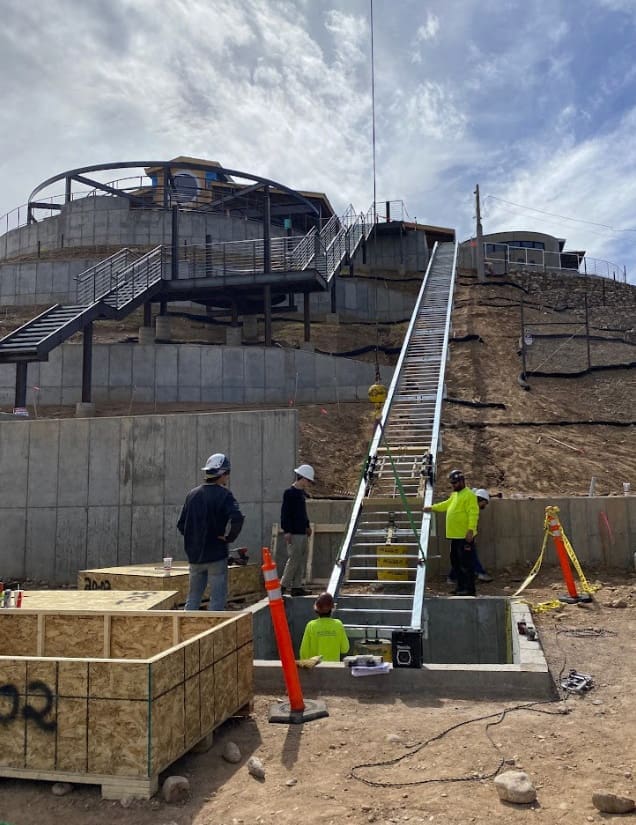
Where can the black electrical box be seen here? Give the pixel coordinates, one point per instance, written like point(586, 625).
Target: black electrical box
point(407, 649)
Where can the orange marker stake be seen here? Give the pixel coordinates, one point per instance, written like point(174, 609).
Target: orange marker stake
point(554, 526)
point(281, 629)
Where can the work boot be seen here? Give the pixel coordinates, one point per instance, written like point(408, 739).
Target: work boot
point(484, 577)
point(300, 591)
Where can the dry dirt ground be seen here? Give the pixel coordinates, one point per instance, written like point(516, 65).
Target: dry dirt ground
point(568, 748)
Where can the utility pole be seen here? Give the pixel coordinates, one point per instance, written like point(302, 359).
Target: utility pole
point(481, 276)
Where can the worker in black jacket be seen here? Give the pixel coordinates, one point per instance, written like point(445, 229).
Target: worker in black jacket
point(294, 523)
point(209, 521)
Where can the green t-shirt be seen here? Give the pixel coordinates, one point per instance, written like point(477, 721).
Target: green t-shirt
point(324, 637)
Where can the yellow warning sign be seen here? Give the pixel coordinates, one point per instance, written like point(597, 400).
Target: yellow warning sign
point(390, 557)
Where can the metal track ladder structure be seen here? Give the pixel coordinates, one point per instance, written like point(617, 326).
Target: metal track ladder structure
point(379, 577)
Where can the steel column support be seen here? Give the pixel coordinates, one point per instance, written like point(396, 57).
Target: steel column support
point(87, 363)
point(148, 314)
point(20, 383)
point(306, 316)
point(174, 264)
point(267, 304)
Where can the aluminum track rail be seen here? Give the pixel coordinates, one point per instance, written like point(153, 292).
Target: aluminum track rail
point(380, 574)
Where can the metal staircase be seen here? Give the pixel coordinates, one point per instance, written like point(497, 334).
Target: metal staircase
point(379, 577)
point(339, 237)
point(111, 289)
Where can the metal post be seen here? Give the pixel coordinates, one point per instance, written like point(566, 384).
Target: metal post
point(480, 238)
point(306, 316)
point(174, 270)
point(148, 314)
point(267, 301)
point(208, 255)
point(20, 384)
point(523, 342)
point(67, 191)
point(388, 211)
point(587, 334)
point(267, 264)
point(87, 363)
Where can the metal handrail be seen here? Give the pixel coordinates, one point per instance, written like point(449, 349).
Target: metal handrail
point(98, 281)
point(137, 277)
point(512, 257)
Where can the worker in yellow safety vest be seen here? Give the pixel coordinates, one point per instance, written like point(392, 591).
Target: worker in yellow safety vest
point(462, 515)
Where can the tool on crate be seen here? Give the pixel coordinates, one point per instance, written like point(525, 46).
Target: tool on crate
point(363, 660)
point(577, 682)
point(238, 556)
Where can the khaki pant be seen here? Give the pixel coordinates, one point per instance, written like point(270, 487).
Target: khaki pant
point(296, 561)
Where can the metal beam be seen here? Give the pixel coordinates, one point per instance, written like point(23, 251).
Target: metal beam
point(87, 363)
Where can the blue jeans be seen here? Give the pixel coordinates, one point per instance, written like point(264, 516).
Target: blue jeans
point(216, 572)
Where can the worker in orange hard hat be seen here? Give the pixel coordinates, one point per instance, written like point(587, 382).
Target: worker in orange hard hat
point(324, 636)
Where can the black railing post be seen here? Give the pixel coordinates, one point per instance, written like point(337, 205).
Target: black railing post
point(208, 255)
point(174, 272)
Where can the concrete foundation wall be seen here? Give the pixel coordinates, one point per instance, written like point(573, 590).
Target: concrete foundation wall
point(126, 373)
point(91, 222)
point(511, 533)
point(103, 492)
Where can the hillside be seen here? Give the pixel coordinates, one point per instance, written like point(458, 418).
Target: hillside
point(570, 425)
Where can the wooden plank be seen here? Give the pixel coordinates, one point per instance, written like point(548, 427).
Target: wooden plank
point(40, 713)
point(118, 680)
point(192, 709)
point(245, 675)
point(65, 637)
point(101, 600)
point(72, 739)
point(118, 736)
point(140, 637)
point(167, 671)
point(18, 633)
point(168, 740)
point(225, 688)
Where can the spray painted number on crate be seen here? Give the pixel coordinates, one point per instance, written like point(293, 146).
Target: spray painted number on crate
point(11, 706)
point(91, 584)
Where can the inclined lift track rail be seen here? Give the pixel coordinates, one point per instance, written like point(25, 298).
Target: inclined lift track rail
point(379, 577)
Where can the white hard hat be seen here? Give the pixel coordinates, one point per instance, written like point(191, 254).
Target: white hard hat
point(217, 465)
point(306, 471)
point(481, 493)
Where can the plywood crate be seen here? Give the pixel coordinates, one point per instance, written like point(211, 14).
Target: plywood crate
point(99, 599)
point(243, 580)
point(114, 698)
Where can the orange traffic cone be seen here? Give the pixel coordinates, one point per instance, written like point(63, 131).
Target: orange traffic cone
point(296, 710)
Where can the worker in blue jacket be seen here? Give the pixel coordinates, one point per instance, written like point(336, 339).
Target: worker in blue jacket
point(209, 521)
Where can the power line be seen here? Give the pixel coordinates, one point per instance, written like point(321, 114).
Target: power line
point(373, 109)
point(555, 215)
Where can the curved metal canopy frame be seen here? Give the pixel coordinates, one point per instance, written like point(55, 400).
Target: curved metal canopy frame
point(78, 173)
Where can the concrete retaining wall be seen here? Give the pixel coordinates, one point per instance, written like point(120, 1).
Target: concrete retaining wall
point(511, 533)
point(108, 491)
point(192, 372)
point(53, 282)
point(90, 222)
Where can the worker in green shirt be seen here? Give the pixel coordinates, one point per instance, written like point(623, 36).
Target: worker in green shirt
point(324, 636)
point(462, 515)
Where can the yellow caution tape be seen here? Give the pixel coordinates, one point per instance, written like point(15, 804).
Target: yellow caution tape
point(535, 568)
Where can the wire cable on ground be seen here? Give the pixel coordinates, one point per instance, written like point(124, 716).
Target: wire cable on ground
point(474, 777)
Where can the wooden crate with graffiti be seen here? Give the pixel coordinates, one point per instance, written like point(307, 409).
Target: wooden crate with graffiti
point(243, 580)
point(114, 698)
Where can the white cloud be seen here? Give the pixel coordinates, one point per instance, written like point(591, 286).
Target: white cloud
point(429, 29)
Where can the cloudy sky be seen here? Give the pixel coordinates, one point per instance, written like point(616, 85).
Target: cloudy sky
point(535, 100)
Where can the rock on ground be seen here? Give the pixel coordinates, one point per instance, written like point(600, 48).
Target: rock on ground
point(231, 752)
point(256, 767)
point(175, 788)
point(515, 786)
point(612, 803)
